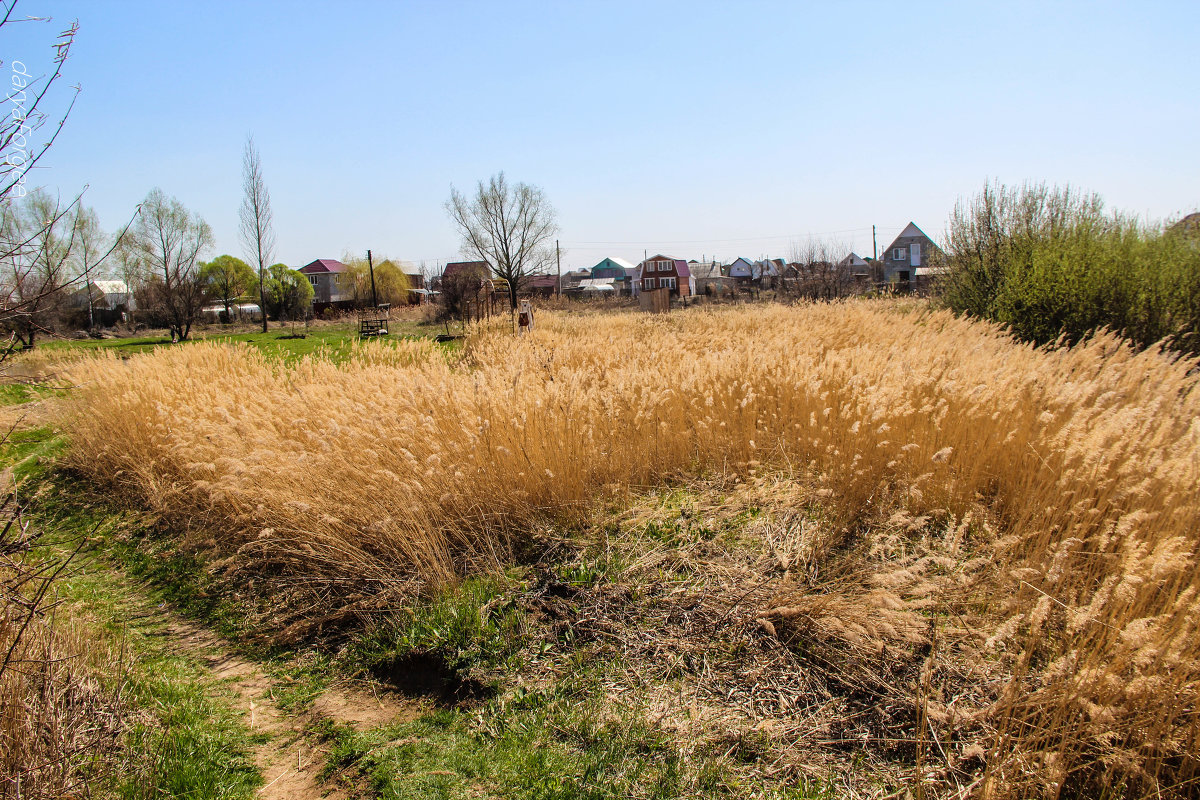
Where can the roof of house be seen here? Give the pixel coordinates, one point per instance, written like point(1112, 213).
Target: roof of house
point(323, 265)
point(541, 281)
point(465, 267)
point(1189, 225)
point(112, 287)
point(705, 269)
point(596, 283)
point(910, 231)
point(681, 266)
point(620, 262)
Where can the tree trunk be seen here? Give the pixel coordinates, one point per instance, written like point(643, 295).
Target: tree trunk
point(262, 300)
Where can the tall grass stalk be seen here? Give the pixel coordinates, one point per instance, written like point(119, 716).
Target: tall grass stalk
point(1068, 478)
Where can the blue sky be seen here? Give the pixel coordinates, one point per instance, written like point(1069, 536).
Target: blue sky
point(691, 128)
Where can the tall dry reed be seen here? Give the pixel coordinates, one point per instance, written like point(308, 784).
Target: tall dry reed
point(1066, 482)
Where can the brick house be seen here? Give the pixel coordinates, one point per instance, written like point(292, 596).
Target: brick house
point(665, 272)
point(908, 257)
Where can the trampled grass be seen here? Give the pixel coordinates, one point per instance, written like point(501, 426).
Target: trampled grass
point(1020, 522)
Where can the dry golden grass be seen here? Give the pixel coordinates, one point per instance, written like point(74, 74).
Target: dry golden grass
point(58, 723)
point(1030, 514)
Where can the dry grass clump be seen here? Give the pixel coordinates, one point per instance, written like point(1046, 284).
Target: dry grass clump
point(1017, 519)
point(58, 724)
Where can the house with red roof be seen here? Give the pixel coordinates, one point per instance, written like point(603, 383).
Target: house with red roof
point(330, 283)
point(474, 269)
point(665, 272)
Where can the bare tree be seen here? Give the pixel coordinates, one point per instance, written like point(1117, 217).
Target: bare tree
point(20, 148)
point(37, 272)
point(25, 234)
point(508, 226)
point(257, 229)
point(170, 240)
point(817, 271)
point(90, 252)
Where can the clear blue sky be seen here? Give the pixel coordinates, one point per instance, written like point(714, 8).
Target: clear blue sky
point(691, 128)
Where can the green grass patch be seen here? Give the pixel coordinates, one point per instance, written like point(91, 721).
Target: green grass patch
point(568, 742)
point(283, 342)
point(187, 739)
point(14, 394)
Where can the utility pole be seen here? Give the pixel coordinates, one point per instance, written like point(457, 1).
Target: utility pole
point(874, 247)
point(371, 268)
point(558, 260)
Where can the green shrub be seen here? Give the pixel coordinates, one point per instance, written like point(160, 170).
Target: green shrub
point(1051, 262)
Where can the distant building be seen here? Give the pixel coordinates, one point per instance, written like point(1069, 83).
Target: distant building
point(665, 272)
point(617, 270)
point(330, 283)
point(710, 277)
point(611, 268)
point(856, 266)
point(105, 295)
point(572, 278)
point(540, 285)
point(478, 269)
point(909, 256)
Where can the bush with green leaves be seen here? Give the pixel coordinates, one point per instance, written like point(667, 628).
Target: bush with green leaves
point(287, 294)
point(1051, 262)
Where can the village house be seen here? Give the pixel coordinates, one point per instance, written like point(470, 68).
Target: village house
point(572, 278)
point(329, 281)
point(741, 270)
point(617, 271)
point(709, 277)
point(107, 295)
point(908, 257)
point(857, 267)
point(665, 272)
point(540, 285)
point(457, 269)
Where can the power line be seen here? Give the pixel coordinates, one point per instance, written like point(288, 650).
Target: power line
point(720, 241)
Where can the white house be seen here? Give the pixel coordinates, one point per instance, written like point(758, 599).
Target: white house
point(105, 294)
point(855, 265)
point(742, 268)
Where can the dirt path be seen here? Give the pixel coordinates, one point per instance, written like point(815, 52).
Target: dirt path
point(290, 764)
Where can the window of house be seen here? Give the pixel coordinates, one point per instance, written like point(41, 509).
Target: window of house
point(648, 283)
point(668, 283)
point(900, 253)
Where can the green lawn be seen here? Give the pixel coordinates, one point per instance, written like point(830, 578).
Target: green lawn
point(278, 341)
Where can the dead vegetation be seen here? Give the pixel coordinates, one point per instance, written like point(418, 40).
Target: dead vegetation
point(974, 561)
point(60, 709)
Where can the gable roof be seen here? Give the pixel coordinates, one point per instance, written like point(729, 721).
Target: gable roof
point(910, 230)
point(541, 281)
point(111, 287)
point(453, 268)
point(323, 265)
point(681, 266)
point(620, 262)
point(1188, 226)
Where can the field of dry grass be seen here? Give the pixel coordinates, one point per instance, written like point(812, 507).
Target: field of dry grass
point(1015, 528)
